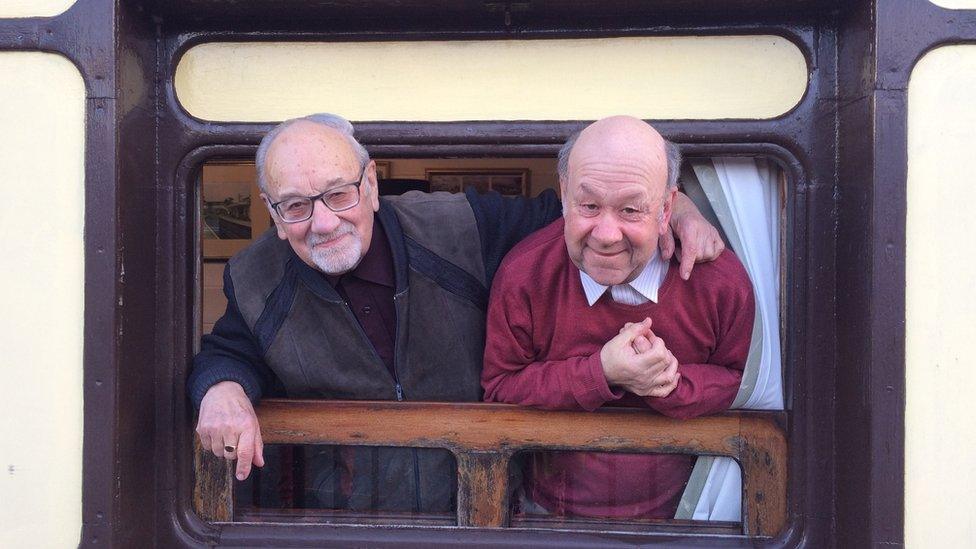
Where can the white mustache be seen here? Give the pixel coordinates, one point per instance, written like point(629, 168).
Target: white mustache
point(345, 228)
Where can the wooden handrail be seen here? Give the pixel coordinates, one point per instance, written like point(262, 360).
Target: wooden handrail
point(483, 438)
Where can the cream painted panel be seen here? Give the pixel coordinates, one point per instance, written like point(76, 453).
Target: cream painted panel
point(940, 429)
point(33, 8)
point(651, 77)
point(42, 151)
point(956, 4)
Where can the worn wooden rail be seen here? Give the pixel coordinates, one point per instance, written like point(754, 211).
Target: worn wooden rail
point(484, 437)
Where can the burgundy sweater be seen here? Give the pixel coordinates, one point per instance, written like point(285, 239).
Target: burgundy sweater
point(543, 349)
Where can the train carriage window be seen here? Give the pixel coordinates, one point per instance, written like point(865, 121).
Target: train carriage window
point(743, 196)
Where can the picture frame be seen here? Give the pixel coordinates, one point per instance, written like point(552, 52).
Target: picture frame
point(508, 181)
point(232, 214)
point(383, 169)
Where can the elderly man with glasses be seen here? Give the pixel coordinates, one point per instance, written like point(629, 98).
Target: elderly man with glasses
point(380, 299)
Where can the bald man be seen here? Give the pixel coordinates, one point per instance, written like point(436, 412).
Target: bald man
point(585, 313)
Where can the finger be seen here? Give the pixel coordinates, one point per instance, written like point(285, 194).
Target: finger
point(719, 244)
point(666, 388)
point(632, 330)
point(230, 445)
point(674, 385)
point(667, 244)
point(688, 257)
point(709, 253)
point(672, 371)
point(245, 454)
point(658, 347)
point(641, 344)
point(716, 247)
point(217, 446)
point(258, 448)
point(204, 438)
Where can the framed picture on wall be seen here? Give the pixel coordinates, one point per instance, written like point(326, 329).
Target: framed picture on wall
point(232, 213)
point(509, 182)
point(382, 169)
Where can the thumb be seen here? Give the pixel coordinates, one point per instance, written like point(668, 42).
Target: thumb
point(631, 330)
point(666, 244)
point(641, 344)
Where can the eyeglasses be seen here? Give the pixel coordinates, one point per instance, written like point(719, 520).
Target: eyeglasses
point(337, 199)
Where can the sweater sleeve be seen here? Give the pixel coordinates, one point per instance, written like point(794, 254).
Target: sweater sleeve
point(229, 353)
point(503, 221)
point(511, 372)
point(711, 387)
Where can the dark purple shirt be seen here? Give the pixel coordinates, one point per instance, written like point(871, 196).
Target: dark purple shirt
point(368, 290)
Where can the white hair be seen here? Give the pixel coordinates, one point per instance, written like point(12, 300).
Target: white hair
point(333, 121)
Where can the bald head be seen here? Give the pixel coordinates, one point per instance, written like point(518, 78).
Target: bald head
point(628, 138)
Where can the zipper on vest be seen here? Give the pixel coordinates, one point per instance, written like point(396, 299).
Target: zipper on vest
point(418, 502)
point(396, 353)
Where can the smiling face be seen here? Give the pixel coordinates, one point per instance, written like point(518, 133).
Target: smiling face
point(307, 159)
point(616, 207)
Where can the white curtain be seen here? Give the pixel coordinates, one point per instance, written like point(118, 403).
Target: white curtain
point(745, 196)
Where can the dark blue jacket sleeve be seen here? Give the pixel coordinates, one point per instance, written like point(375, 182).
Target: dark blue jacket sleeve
point(229, 353)
point(503, 221)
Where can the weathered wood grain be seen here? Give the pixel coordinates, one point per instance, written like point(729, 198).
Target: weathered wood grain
point(213, 496)
point(483, 438)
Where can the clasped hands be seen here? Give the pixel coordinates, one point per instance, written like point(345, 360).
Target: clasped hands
point(638, 361)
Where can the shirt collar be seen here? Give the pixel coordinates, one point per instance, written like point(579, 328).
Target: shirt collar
point(647, 283)
point(377, 265)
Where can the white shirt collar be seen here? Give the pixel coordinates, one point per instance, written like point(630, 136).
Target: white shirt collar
point(647, 283)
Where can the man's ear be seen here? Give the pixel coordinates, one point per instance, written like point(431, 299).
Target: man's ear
point(279, 226)
point(667, 208)
point(373, 185)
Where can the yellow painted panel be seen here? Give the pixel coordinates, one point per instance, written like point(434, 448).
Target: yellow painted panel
point(577, 79)
point(940, 429)
point(956, 4)
point(33, 8)
point(42, 151)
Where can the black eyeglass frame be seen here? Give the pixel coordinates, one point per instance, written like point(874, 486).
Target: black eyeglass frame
point(321, 197)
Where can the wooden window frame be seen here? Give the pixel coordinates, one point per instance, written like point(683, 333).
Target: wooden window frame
point(756, 440)
point(484, 437)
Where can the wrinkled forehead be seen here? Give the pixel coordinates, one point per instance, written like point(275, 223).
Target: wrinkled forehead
point(613, 192)
point(615, 177)
point(310, 156)
point(618, 160)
